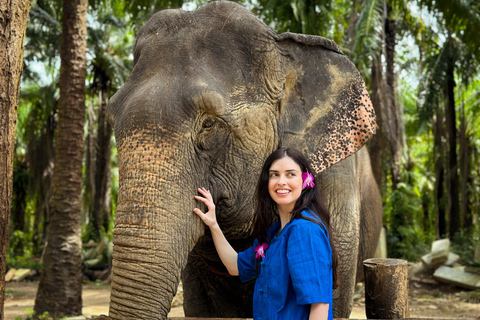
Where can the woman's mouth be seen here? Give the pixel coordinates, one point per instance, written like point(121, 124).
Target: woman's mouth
point(282, 191)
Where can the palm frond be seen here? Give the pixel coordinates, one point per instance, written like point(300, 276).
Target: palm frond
point(368, 34)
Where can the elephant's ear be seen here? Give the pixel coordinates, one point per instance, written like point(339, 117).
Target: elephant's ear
point(325, 107)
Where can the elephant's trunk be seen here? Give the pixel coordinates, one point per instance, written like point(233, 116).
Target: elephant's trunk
point(155, 229)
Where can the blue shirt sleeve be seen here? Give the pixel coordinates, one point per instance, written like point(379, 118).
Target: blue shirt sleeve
point(246, 264)
point(309, 258)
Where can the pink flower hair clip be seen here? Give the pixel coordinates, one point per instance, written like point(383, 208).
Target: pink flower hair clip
point(307, 178)
point(260, 250)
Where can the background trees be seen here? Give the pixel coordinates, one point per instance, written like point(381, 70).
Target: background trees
point(419, 58)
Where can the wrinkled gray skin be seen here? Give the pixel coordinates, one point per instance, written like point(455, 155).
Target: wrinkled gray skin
point(212, 94)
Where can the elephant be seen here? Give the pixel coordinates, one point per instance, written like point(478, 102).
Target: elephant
point(212, 93)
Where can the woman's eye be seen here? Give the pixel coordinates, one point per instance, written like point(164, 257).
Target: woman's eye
point(208, 123)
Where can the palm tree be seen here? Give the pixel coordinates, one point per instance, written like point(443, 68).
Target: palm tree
point(59, 291)
point(14, 23)
point(109, 68)
point(458, 53)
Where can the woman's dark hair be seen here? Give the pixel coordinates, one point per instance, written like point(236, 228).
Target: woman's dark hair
point(310, 199)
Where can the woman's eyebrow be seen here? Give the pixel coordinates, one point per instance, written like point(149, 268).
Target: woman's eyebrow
point(288, 170)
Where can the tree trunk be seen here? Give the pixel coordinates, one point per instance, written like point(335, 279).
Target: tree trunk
point(377, 143)
point(438, 133)
point(13, 23)
point(101, 204)
point(452, 168)
point(394, 123)
point(464, 170)
point(60, 286)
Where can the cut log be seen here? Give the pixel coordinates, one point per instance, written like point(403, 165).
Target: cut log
point(386, 288)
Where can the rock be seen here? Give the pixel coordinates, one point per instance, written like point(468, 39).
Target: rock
point(21, 274)
point(457, 277)
point(452, 259)
point(475, 270)
point(381, 251)
point(440, 251)
point(10, 274)
point(415, 268)
point(91, 262)
point(428, 263)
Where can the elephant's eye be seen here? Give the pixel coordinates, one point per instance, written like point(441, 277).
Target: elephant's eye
point(208, 123)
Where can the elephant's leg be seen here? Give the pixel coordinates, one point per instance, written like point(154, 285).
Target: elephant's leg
point(371, 212)
point(210, 292)
point(340, 192)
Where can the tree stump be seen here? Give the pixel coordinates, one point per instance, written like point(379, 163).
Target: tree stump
point(386, 288)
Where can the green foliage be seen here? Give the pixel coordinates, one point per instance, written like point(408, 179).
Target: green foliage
point(464, 244)
point(44, 316)
point(27, 258)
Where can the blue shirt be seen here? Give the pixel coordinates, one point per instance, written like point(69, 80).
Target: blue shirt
point(296, 271)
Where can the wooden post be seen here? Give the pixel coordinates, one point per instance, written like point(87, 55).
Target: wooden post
point(386, 288)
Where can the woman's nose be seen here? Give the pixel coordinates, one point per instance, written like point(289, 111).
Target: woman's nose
point(281, 180)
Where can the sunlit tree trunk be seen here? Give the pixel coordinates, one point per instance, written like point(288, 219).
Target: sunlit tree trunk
point(60, 286)
point(13, 23)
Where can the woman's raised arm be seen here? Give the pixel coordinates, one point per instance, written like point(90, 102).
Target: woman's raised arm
point(227, 254)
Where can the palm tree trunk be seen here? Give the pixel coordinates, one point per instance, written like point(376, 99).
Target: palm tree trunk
point(13, 22)
point(101, 201)
point(464, 170)
point(60, 286)
point(377, 143)
point(452, 168)
point(438, 133)
point(394, 123)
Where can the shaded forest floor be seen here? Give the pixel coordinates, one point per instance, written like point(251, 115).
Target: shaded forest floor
point(428, 299)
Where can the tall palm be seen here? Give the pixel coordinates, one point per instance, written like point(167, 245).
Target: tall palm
point(109, 68)
point(458, 54)
point(13, 17)
point(60, 286)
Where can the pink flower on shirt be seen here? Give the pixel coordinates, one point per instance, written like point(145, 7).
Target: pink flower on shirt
point(260, 250)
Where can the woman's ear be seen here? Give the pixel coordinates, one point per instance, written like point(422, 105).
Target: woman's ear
point(326, 107)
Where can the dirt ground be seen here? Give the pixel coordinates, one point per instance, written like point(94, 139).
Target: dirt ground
point(427, 299)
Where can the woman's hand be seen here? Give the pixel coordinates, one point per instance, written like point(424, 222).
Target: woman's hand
point(209, 217)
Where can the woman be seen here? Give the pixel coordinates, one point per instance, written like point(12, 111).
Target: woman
point(292, 259)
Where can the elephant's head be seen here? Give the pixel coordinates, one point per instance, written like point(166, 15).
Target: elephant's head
point(212, 93)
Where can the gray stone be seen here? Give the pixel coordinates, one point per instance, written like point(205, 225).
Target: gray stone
point(21, 274)
point(428, 263)
point(475, 270)
point(10, 274)
point(91, 262)
point(440, 251)
point(414, 268)
point(457, 277)
point(452, 259)
point(381, 251)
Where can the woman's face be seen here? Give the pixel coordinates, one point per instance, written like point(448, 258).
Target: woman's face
point(285, 183)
